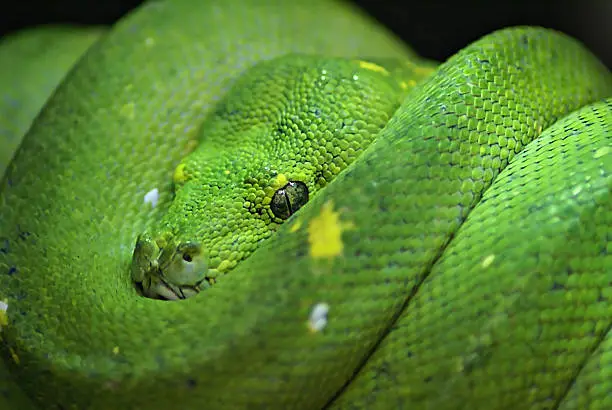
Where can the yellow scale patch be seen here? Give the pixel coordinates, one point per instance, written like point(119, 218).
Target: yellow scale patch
point(419, 69)
point(14, 355)
point(487, 261)
point(280, 181)
point(406, 84)
point(373, 67)
point(3, 319)
point(325, 233)
point(180, 175)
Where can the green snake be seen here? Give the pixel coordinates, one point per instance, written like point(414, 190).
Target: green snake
point(347, 225)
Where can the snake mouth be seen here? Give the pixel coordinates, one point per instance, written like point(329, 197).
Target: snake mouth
point(157, 286)
point(166, 291)
point(166, 269)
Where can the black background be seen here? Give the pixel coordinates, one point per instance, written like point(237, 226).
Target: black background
point(436, 29)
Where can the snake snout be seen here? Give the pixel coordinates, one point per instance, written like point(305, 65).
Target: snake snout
point(164, 269)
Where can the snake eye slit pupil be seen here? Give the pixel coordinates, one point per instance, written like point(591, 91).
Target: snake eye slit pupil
point(287, 202)
point(288, 199)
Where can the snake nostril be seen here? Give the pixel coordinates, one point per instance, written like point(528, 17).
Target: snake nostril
point(188, 251)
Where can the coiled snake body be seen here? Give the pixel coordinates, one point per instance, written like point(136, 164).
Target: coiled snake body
point(365, 229)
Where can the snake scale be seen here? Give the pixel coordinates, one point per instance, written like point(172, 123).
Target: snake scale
point(349, 226)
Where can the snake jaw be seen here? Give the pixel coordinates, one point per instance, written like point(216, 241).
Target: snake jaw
point(160, 289)
point(161, 269)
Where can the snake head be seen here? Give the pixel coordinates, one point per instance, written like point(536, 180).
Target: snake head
point(163, 268)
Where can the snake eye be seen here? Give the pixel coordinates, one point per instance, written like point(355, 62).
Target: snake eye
point(288, 199)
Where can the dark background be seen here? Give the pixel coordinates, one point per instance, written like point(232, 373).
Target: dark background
point(436, 29)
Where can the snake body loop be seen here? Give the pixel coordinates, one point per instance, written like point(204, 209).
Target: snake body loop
point(457, 257)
